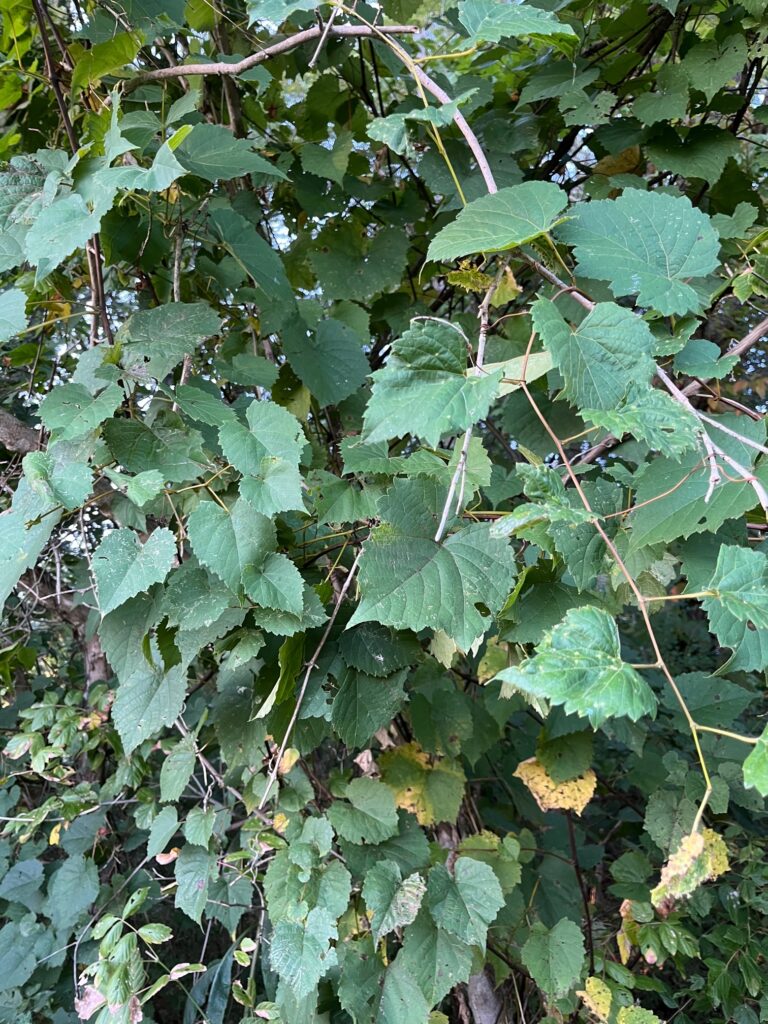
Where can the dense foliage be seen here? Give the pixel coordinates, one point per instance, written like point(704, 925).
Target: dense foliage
point(385, 486)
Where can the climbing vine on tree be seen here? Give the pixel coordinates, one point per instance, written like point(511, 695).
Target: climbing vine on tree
point(384, 508)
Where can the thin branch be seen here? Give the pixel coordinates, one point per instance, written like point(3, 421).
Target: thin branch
point(461, 465)
point(709, 447)
point(582, 890)
point(219, 68)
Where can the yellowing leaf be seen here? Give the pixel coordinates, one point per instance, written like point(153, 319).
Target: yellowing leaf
point(597, 997)
point(636, 1015)
point(432, 789)
point(553, 796)
point(288, 760)
point(628, 161)
point(699, 858)
point(54, 837)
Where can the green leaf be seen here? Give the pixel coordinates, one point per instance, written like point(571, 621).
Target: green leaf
point(350, 264)
point(301, 953)
point(255, 255)
point(70, 411)
point(369, 816)
point(328, 161)
point(436, 958)
point(402, 1001)
point(176, 454)
point(155, 340)
point(756, 765)
point(17, 955)
point(104, 59)
point(59, 480)
point(329, 361)
point(228, 542)
point(466, 901)
point(669, 100)
point(268, 455)
point(739, 605)
point(71, 891)
point(409, 581)
point(702, 152)
point(606, 358)
point(671, 492)
point(507, 218)
point(363, 705)
point(578, 664)
point(146, 701)
point(123, 567)
point(66, 226)
point(25, 529)
point(490, 21)
point(194, 870)
point(177, 770)
point(653, 417)
point(13, 313)
point(426, 389)
point(376, 650)
point(391, 901)
point(155, 933)
point(554, 957)
point(646, 244)
point(276, 584)
point(198, 828)
point(276, 10)
point(710, 65)
point(212, 152)
point(162, 830)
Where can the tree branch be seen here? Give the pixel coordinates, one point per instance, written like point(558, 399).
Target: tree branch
point(219, 68)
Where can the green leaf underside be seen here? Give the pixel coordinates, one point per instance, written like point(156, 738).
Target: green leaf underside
point(578, 664)
point(508, 218)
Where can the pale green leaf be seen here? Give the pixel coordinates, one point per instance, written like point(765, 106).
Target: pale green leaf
point(13, 313)
point(490, 21)
point(554, 957)
point(578, 664)
point(276, 583)
point(198, 828)
point(71, 891)
point(66, 225)
point(605, 359)
point(276, 11)
point(146, 701)
point(301, 953)
point(738, 606)
point(391, 901)
point(426, 389)
point(70, 411)
point(465, 901)
point(369, 816)
point(646, 244)
point(229, 541)
point(194, 870)
point(671, 492)
point(123, 567)
point(756, 765)
point(176, 770)
point(162, 830)
point(507, 218)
